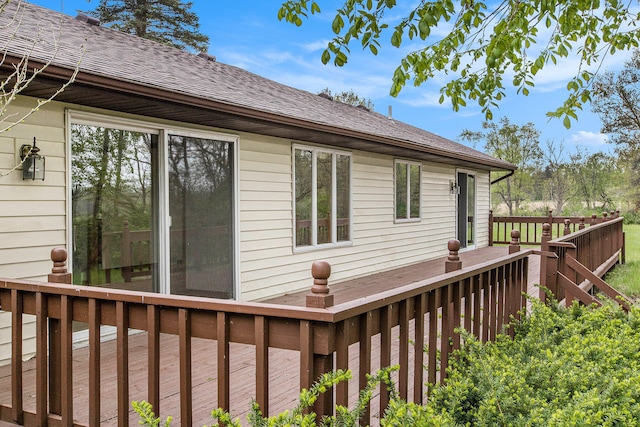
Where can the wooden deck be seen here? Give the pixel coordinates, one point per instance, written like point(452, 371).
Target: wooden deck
point(285, 365)
point(357, 288)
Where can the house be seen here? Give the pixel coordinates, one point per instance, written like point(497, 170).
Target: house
point(170, 172)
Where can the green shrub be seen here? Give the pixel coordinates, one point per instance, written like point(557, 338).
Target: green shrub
point(631, 216)
point(565, 367)
point(300, 416)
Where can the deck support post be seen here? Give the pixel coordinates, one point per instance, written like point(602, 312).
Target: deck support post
point(491, 227)
point(453, 262)
point(59, 274)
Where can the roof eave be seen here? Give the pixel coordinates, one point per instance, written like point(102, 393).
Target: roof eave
point(151, 92)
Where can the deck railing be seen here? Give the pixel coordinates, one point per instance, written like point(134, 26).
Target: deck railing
point(572, 264)
point(530, 227)
point(357, 335)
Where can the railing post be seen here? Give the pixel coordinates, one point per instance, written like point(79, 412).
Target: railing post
point(453, 262)
point(604, 216)
point(567, 227)
point(594, 219)
point(546, 236)
point(581, 226)
point(514, 246)
point(59, 274)
point(320, 296)
point(550, 219)
point(491, 227)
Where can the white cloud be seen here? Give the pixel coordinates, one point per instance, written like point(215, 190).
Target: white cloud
point(315, 46)
point(425, 98)
point(590, 140)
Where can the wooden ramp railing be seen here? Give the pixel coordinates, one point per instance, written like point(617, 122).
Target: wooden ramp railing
point(243, 350)
point(575, 263)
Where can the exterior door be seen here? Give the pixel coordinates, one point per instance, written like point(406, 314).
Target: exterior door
point(466, 206)
point(201, 210)
point(151, 210)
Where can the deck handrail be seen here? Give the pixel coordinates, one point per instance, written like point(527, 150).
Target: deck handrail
point(530, 227)
point(481, 299)
point(567, 260)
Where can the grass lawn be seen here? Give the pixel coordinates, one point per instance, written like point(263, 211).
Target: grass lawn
point(626, 277)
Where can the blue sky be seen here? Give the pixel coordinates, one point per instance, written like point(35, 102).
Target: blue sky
point(248, 34)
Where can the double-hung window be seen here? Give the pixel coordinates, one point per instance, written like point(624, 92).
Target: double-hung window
point(407, 183)
point(322, 196)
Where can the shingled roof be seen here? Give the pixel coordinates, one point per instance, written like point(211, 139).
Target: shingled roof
point(125, 73)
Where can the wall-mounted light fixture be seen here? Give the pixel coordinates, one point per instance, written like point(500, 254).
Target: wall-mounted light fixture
point(32, 162)
point(454, 188)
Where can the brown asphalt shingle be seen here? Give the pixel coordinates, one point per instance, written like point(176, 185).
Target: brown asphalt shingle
point(127, 58)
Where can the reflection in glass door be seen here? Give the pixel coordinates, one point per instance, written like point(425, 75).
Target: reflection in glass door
point(201, 210)
point(466, 209)
point(114, 207)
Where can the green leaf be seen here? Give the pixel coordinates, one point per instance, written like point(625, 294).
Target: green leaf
point(338, 24)
point(396, 39)
point(326, 56)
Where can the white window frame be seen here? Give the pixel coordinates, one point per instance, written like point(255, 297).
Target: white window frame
point(163, 131)
point(408, 163)
point(314, 202)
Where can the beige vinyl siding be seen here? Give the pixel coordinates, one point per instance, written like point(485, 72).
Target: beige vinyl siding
point(32, 213)
point(269, 265)
point(484, 205)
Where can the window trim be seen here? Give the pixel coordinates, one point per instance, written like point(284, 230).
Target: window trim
point(314, 205)
point(408, 192)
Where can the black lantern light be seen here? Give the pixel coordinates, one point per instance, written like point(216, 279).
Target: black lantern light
point(32, 162)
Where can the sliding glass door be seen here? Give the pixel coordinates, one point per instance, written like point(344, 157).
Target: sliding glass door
point(152, 212)
point(201, 211)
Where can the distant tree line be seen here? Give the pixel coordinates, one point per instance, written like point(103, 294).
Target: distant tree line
point(570, 183)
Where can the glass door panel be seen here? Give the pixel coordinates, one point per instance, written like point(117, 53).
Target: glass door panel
point(201, 209)
point(114, 205)
point(466, 209)
point(471, 210)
